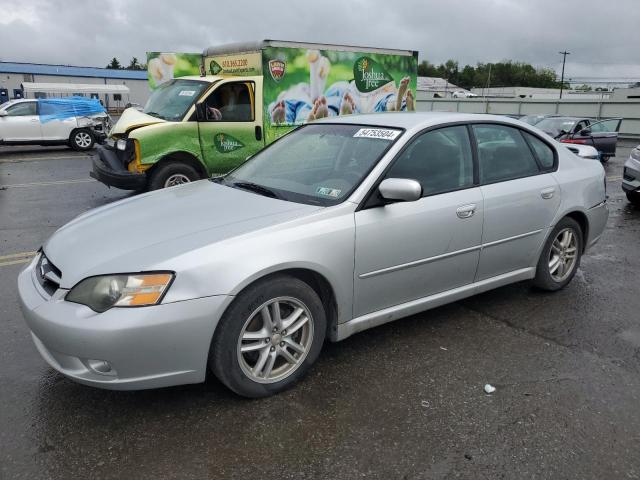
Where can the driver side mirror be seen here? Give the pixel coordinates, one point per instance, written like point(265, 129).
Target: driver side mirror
point(3, 113)
point(400, 189)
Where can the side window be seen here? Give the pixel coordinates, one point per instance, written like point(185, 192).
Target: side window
point(544, 152)
point(230, 102)
point(22, 109)
point(440, 160)
point(503, 154)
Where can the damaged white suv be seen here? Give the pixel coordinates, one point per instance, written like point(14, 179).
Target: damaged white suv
point(25, 122)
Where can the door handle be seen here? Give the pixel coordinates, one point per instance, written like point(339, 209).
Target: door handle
point(547, 193)
point(466, 211)
point(258, 133)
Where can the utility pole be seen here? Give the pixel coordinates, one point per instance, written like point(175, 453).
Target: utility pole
point(564, 58)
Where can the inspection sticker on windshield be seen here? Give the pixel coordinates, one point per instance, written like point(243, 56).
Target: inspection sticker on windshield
point(187, 93)
point(328, 192)
point(381, 133)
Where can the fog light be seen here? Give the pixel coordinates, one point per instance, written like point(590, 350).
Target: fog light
point(101, 366)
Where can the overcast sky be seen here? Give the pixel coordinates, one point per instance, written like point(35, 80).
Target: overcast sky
point(603, 37)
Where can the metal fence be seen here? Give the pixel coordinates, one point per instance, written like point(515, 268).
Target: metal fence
point(628, 110)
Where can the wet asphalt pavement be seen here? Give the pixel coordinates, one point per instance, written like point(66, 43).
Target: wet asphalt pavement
point(402, 401)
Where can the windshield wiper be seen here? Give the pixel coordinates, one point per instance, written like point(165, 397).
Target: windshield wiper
point(254, 187)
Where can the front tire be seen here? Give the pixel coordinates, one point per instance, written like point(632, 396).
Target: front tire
point(82, 140)
point(560, 257)
point(269, 337)
point(171, 174)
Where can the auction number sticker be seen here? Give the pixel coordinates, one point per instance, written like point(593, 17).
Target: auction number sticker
point(381, 133)
point(187, 93)
point(329, 192)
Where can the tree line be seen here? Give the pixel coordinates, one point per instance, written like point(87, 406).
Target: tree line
point(502, 74)
point(134, 64)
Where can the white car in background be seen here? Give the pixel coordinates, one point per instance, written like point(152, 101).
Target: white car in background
point(463, 94)
point(21, 124)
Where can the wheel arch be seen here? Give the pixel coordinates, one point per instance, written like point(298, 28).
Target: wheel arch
point(183, 157)
point(316, 280)
point(582, 220)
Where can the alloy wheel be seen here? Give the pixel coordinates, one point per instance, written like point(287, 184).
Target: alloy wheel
point(275, 340)
point(83, 139)
point(563, 255)
point(176, 179)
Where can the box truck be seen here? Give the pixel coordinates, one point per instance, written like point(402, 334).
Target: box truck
point(243, 97)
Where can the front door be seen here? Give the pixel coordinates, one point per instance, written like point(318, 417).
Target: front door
point(520, 194)
point(406, 251)
point(21, 124)
point(232, 129)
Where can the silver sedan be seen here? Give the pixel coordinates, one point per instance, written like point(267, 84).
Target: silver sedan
point(339, 226)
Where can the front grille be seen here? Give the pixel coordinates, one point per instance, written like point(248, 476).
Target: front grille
point(48, 275)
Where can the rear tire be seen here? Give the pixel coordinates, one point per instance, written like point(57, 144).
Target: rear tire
point(171, 174)
point(252, 352)
point(604, 158)
point(634, 198)
point(560, 257)
point(81, 140)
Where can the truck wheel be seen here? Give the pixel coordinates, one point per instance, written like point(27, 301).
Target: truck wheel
point(81, 139)
point(171, 174)
point(269, 337)
point(634, 198)
point(604, 158)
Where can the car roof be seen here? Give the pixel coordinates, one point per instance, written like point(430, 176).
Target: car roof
point(417, 120)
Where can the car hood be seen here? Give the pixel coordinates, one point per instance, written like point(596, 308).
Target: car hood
point(146, 231)
point(133, 118)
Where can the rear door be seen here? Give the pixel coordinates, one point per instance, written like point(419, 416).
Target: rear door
point(21, 124)
point(409, 250)
point(520, 194)
point(232, 128)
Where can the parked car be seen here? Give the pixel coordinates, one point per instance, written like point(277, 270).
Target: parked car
point(73, 122)
point(631, 177)
point(339, 226)
point(602, 134)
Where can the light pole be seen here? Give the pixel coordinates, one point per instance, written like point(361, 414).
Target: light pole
point(564, 58)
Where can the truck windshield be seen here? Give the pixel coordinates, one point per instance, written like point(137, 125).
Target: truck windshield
point(171, 100)
point(318, 164)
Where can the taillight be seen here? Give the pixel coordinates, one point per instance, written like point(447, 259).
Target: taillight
point(572, 140)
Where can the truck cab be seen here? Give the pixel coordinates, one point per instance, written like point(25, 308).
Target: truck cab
point(191, 128)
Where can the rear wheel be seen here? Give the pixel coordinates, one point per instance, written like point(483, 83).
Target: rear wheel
point(269, 337)
point(560, 257)
point(605, 158)
point(81, 139)
point(171, 174)
point(634, 198)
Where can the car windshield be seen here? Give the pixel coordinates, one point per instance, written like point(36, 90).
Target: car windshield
point(553, 125)
point(317, 164)
point(171, 100)
point(532, 119)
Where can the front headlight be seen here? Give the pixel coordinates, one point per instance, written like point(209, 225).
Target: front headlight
point(134, 290)
point(121, 144)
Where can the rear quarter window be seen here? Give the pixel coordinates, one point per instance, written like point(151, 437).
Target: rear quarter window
point(544, 153)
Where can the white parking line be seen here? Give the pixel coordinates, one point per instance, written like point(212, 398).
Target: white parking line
point(44, 184)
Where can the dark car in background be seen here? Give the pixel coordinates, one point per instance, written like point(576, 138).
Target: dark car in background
point(601, 134)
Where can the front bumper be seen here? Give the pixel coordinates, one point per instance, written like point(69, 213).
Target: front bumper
point(108, 169)
point(145, 347)
point(631, 175)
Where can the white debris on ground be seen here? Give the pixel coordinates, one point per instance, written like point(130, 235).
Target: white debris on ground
point(488, 388)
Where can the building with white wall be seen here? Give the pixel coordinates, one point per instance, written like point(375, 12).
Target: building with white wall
point(13, 75)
